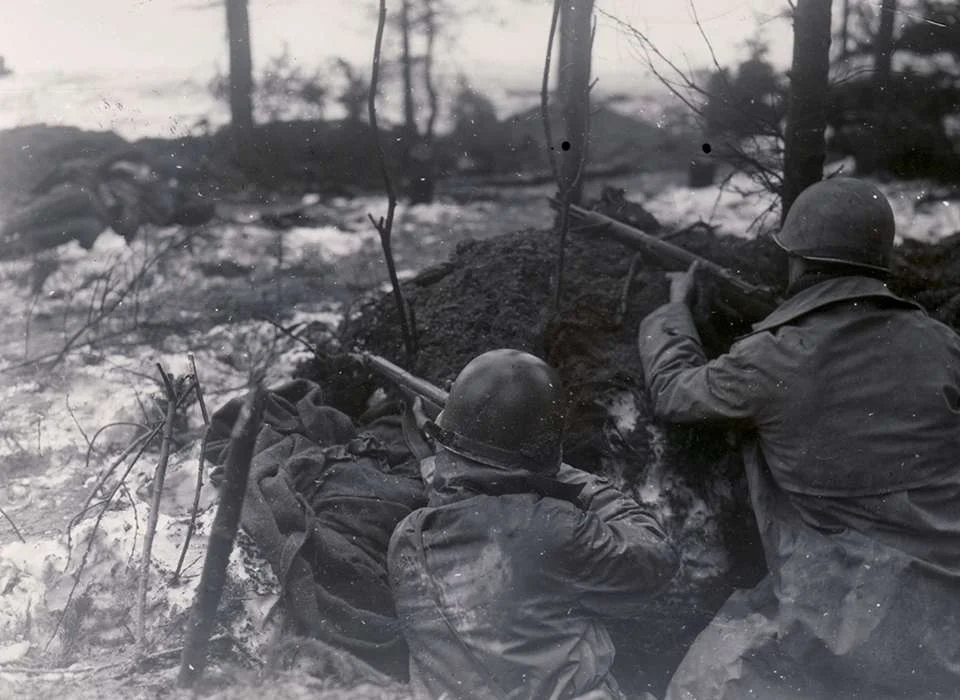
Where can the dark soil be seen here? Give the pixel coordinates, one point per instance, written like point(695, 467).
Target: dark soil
point(497, 293)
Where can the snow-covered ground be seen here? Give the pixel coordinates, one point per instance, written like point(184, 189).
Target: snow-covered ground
point(738, 214)
point(48, 415)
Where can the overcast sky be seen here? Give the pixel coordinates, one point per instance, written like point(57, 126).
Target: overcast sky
point(165, 37)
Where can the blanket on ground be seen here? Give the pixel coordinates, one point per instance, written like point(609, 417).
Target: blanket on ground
point(322, 502)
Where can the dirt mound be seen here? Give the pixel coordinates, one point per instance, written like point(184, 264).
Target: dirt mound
point(497, 293)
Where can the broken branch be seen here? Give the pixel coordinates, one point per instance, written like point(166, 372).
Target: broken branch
point(158, 479)
point(385, 228)
point(199, 390)
point(200, 464)
point(212, 580)
point(545, 93)
point(13, 525)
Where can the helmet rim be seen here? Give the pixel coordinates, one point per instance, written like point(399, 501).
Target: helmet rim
point(823, 255)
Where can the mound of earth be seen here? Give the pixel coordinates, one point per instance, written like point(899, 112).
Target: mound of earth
point(498, 292)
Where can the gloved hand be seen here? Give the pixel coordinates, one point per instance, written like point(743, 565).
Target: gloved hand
point(412, 421)
point(684, 285)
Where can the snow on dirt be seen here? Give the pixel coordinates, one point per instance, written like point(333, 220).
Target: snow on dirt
point(215, 292)
point(66, 590)
point(738, 209)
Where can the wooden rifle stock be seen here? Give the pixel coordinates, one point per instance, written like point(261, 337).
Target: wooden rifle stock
point(402, 378)
point(750, 300)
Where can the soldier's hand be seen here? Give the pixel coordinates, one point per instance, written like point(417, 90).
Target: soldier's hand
point(419, 413)
point(683, 285)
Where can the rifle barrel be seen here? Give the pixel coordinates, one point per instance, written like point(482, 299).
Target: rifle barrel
point(402, 377)
point(757, 301)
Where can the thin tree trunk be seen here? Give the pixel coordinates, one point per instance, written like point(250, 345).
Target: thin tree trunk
point(430, 24)
point(420, 163)
point(805, 148)
point(575, 31)
point(564, 52)
point(883, 62)
point(406, 65)
point(241, 73)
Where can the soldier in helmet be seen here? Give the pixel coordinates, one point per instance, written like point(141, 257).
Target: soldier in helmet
point(502, 581)
point(849, 401)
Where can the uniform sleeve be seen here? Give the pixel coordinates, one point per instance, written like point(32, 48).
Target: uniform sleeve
point(686, 388)
point(618, 554)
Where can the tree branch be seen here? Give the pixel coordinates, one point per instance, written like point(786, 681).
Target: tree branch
point(430, 22)
point(385, 227)
point(158, 478)
point(545, 93)
point(200, 464)
point(236, 474)
point(13, 525)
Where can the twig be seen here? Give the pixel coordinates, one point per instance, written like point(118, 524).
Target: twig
point(198, 389)
point(13, 525)
point(545, 93)
point(200, 464)
point(293, 336)
point(121, 294)
point(86, 552)
point(144, 440)
point(159, 475)
point(140, 441)
point(118, 424)
point(768, 176)
point(72, 672)
point(237, 470)
point(195, 509)
point(136, 522)
point(385, 227)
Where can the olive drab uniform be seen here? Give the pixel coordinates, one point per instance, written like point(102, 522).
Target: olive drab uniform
point(850, 402)
point(502, 581)
point(502, 584)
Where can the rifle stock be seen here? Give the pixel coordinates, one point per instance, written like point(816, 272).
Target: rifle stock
point(748, 299)
point(402, 378)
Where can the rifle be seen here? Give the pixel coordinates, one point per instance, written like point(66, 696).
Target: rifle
point(403, 379)
point(434, 398)
point(749, 300)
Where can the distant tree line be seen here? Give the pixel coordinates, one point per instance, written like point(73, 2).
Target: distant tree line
point(893, 95)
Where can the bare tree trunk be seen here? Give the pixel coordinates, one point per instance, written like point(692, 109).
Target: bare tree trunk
point(564, 45)
point(241, 74)
point(430, 27)
point(882, 64)
point(574, 92)
point(406, 66)
point(805, 148)
point(421, 159)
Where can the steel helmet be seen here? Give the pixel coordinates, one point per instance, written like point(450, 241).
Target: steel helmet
point(505, 409)
point(840, 220)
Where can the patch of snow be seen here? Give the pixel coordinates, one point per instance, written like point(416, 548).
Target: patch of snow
point(624, 411)
point(13, 652)
point(329, 315)
point(402, 274)
point(733, 212)
point(330, 242)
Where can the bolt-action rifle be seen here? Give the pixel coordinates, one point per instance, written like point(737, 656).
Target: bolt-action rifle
point(748, 300)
